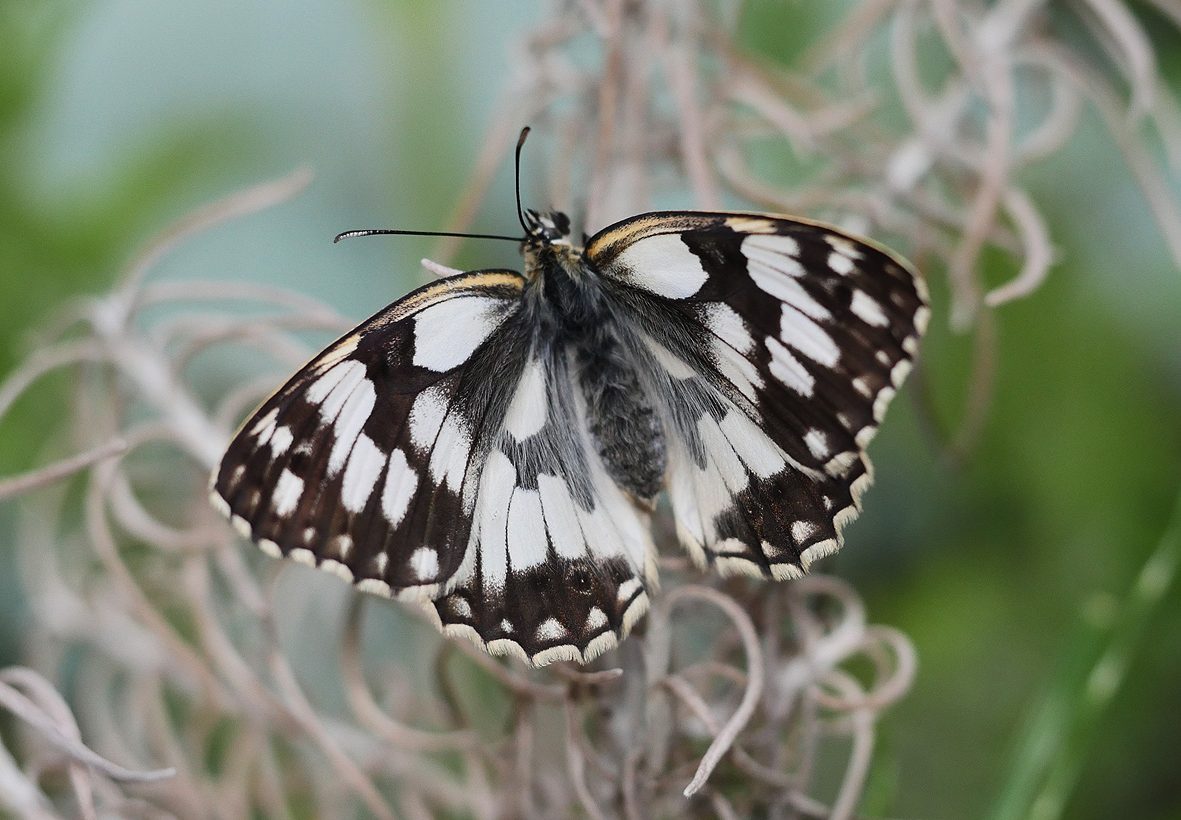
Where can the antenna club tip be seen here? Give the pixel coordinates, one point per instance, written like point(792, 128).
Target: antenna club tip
point(517, 172)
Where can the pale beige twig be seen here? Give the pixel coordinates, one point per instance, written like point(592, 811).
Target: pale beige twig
point(1039, 254)
point(576, 765)
point(371, 715)
point(754, 688)
point(239, 204)
point(15, 485)
point(54, 732)
point(312, 724)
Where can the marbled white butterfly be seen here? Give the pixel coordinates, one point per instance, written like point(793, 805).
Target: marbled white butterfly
point(493, 444)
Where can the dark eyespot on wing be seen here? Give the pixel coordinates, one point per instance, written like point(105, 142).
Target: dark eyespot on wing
point(560, 610)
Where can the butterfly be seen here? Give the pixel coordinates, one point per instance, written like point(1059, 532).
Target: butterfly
point(493, 444)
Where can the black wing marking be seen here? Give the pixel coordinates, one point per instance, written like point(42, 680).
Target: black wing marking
point(563, 560)
point(777, 345)
point(364, 463)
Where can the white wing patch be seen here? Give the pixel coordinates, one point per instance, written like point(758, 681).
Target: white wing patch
point(808, 338)
point(788, 369)
point(616, 527)
point(361, 474)
point(449, 457)
point(349, 372)
point(426, 417)
point(761, 456)
point(774, 281)
point(664, 265)
point(738, 369)
point(401, 481)
point(773, 255)
point(867, 309)
point(424, 562)
point(490, 535)
point(725, 323)
point(561, 517)
point(817, 443)
point(352, 417)
point(528, 411)
point(448, 332)
point(841, 263)
point(281, 439)
point(526, 530)
point(675, 366)
point(287, 493)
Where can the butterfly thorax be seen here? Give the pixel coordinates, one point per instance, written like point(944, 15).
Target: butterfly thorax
point(580, 323)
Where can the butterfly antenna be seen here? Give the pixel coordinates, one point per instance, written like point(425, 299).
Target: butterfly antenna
point(391, 232)
point(520, 214)
point(517, 171)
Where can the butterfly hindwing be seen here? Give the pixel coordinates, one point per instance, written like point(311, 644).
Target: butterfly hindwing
point(563, 559)
point(777, 344)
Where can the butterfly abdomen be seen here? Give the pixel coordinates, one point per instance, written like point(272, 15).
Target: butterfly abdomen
point(621, 418)
point(624, 426)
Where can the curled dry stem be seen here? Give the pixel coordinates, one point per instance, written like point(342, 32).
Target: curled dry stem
point(236, 205)
point(66, 467)
point(754, 688)
point(53, 722)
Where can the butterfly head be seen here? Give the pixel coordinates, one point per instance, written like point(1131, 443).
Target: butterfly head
point(546, 228)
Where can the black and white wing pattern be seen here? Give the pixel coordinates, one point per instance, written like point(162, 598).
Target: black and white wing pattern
point(492, 445)
point(563, 560)
point(777, 345)
point(435, 454)
point(360, 463)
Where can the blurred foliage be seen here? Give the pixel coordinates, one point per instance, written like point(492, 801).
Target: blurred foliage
point(996, 566)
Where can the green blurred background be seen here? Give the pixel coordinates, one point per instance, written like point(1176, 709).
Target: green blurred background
point(118, 117)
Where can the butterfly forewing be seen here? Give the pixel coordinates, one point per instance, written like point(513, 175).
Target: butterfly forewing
point(359, 464)
point(777, 344)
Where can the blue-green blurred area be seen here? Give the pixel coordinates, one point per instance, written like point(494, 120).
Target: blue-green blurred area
point(116, 118)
